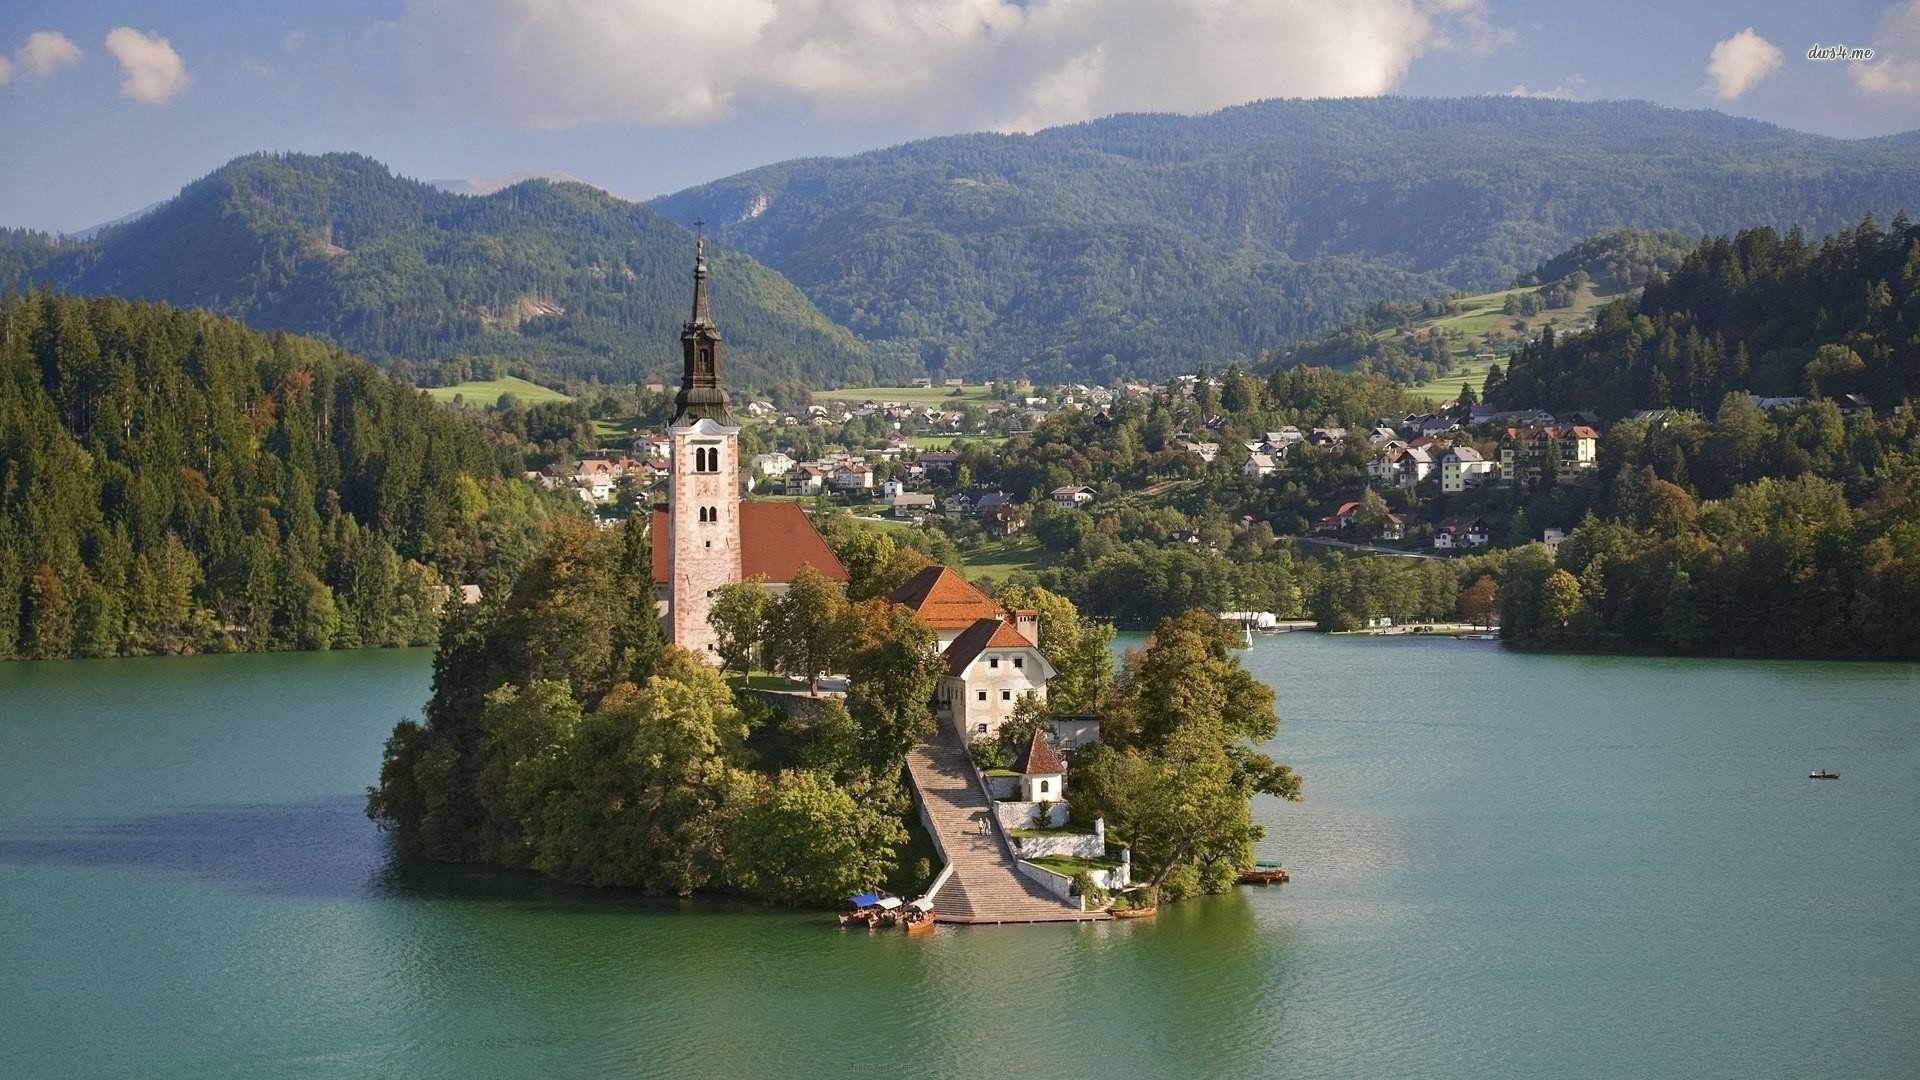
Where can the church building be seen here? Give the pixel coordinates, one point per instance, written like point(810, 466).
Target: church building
point(706, 536)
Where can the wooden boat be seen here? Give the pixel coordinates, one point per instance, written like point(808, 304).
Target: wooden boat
point(1134, 912)
point(1264, 873)
point(886, 912)
point(862, 908)
point(1822, 774)
point(917, 917)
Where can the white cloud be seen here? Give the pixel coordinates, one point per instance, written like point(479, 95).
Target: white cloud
point(1739, 62)
point(1571, 88)
point(151, 71)
point(45, 52)
point(1896, 67)
point(1019, 65)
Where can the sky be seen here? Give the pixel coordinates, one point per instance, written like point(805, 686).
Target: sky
point(107, 106)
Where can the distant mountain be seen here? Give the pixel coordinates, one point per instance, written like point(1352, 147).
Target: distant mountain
point(1166, 241)
point(563, 276)
point(487, 185)
point(92, 231)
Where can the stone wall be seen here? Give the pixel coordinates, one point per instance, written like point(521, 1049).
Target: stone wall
point(1020, 815)
point(1003, 787)
point(1091, 845)
point(1055, 884)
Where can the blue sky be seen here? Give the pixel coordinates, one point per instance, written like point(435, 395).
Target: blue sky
point(108, 105)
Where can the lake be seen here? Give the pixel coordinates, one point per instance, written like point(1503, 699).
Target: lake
point(1508, 866)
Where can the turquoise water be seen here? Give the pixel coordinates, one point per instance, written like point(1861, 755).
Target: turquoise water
point(1508, 866)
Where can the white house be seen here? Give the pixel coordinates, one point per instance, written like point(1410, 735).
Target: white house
point(990, 667)
point(1070, 497)
point(774, 464)
point(1259, 466)
point(1463, 467)
point(852, 476)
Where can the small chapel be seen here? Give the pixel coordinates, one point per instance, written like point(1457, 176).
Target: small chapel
point(706, 535)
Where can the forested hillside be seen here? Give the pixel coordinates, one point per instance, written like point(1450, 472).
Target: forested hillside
point(974, 248)
point(1763, 313)
point(173, 482)
point(560, 276)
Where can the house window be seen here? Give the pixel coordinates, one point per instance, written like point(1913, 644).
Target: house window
point(1019, 663)
point(983, 695)
point(980, 729)
point(1043, 786)
point(1006, 695)
point(993, 662)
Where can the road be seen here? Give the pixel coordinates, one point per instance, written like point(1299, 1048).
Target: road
point(1328, 541)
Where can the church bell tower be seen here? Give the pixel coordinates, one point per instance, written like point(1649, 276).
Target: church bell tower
point(703, 508)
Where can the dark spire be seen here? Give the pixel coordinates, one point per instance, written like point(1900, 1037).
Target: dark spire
point(701, 393)
point(702, 314)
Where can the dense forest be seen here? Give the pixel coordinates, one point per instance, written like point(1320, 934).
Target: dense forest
point(1771, 314)
point(562, 278)
point(968, 247)
point(172, 482)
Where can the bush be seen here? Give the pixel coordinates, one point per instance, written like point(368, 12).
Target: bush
point(1083, 886)
point(987, 754)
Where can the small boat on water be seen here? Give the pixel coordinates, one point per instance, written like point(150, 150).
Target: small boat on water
point(1134, 912)
point(917, 917)
point(1823, 774)
point(1264, 873)
point(867, 907)
point(886, 912)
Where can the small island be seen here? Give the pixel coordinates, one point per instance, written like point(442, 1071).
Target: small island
point(979, 752)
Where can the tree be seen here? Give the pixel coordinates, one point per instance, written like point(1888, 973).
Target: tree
point(1080, 650)
point(1480, 601)
point(1370, 517)
point(806, 628)
point(1560, 599)
point(739, 619)
point(890, 686)
point(801, 838)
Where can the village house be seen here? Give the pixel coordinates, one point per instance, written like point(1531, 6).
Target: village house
point(1463, 467)
point(773, 464)
point(1205, 451)
point(852, 476)
point(805, 480)
point(912, 505)
point(1456, 533)
point(1524, 451)
point(1071, 497)
point(991, 665)
point(1260, 466)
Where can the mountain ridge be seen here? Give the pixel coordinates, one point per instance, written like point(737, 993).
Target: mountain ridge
point(561, 276)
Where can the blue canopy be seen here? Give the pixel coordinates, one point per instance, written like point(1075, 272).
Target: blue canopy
point(865, 899)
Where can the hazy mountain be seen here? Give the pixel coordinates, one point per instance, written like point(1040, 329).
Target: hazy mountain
point(1198, 238)
point(562, 275)
point(487, 185)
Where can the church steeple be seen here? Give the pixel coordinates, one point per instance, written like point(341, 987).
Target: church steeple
point(701, 394)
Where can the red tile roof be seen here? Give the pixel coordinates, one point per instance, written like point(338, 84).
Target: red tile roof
point(944, 600)
point(776, 540)
point(1040, 759)
point(984, 634)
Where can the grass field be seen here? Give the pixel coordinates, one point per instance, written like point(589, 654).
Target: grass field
point(1002, 557)
point(487, 392)
point(941, 442)
point(911, 395)
point(1478, 317)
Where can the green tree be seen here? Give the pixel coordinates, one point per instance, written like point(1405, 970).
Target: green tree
point(800, 838)
point(739, 618)
point(806, 628)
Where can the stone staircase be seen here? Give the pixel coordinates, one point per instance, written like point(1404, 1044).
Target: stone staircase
point(985, 887)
